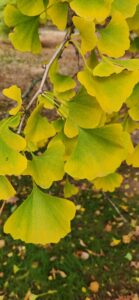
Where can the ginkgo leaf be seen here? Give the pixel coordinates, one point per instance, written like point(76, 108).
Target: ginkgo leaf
point(133, 158)
point(133, 22)
point(113, 40)
point(108, 183)
point(12, 162)
point(133, 104)
point(106, 68)
point(92, 9)
point(48, 167)
point(31, 7)
point(127, 8)
point(6, 189)
point(81, 109)
point(14, 93)
point(62, 83)
point(87, 32)
point(41, 219)
point(58, 12)
point(110, 66)
point(98, 152)
point(38, 129)
point(25, 35)
point(102, 88)
point(128, 64)
point(70, 189)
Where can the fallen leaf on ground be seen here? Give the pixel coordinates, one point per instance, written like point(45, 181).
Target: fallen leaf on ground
point(94, 287)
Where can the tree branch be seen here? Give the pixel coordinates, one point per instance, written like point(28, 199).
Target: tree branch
point(56, 54)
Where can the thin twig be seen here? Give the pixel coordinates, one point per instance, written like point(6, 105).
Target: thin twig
point(2, 207)
point(56, 54)
point(106, 197)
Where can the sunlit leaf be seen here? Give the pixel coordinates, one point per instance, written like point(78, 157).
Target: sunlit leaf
point(14, 93)
point(98, 152)
point(6, 189)
point(41, 219)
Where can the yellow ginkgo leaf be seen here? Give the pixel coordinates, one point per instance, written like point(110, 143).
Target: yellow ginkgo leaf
point(6, 189)
point(70, 189)
point(41, 219)
point(58, 12)
point(48, 167)
point(102, 88)
point(38, 129)
point(133, 158)
point(11, 161)
point(98, 152)
point(133, 104)
point(87, 32)
point(92, 9)
point(109, 182)
point(14, 93)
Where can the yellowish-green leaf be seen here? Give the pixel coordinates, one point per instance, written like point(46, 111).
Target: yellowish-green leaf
point(58, 12)
point(41, 219)
point(6, 189)
point(38, 129)
point(48, 167)
point(81, 109)
point(87, 32)
point(102, 88)
point(25, 35)
point(14, 93)
point(12, 162)
point(31, 7)
point(70, 189)
point(114, 39)
point(98, 152)
point(133, 104)
point(133, 158)
point(108, 183)
point(134, 21)
point(106, 68)
point(92, 9)
point(127, 8)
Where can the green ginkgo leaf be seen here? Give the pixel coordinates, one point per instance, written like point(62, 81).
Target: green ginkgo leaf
point(14, 93)
point(41, 219)
point(98, 152)
point(127, 8)
point(12, 162)
point(81, 109)
point(6, 189)
point(31, 7)
point(102, 88)
point(108, 183)
point(113, 40)
point(25, 35)
point(38, 129)
point(48, 167)
point(92, 9)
